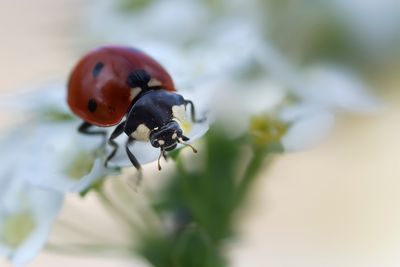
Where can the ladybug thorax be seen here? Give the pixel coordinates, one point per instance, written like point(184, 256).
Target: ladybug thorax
point(156, 117)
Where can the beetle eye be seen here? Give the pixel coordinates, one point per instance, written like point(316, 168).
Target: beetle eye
point(154, 143)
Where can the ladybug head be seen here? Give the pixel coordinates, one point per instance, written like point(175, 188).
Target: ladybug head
point(167, 136)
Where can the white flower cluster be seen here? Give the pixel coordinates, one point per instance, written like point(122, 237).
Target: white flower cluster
point(228, 70)
point(227, 46)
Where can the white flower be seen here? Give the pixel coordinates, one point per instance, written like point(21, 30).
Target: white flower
point(321, 90)
point(26, 212)
point(326, 90)
point(333, 87)
point(233, 104)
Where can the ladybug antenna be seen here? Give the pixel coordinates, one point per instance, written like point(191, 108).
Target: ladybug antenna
point(186, 144)
point(159, 158)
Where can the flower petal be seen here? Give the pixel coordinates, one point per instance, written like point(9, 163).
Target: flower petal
point(40, 205)
point(45, 206)
point(308, 127)
point(54, 155)
point(332, 87)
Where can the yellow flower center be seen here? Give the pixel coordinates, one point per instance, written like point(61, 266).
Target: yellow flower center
point(17, 228)
point(186, 126)
point(266, 130)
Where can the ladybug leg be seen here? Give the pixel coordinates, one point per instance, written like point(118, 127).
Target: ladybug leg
point(84, 128)
point(117, 132)
point(193, 112)
point(133, 159)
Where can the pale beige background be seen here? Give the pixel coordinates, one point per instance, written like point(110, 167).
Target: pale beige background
point(337, 204)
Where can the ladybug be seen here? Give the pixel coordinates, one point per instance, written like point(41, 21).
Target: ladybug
point(123, 87)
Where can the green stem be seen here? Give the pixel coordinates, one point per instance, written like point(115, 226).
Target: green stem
point(250, 174)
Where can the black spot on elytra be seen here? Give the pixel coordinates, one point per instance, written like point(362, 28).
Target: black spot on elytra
point(97, 68)
point(92, 105)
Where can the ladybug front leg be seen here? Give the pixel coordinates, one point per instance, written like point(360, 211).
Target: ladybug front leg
point(84, 128)
point(193, 112)
point(117, 132)
point(133, 159)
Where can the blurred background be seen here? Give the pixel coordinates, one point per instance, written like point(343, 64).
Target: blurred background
point(336, 204)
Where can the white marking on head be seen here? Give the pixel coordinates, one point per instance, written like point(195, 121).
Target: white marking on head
point(179, 112)
point(161, 142)
point(174, 136)
point(141, 133)
point(134, 93)
point(154, 82)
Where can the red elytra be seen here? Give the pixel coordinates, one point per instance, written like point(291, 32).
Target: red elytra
point(101, 77)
